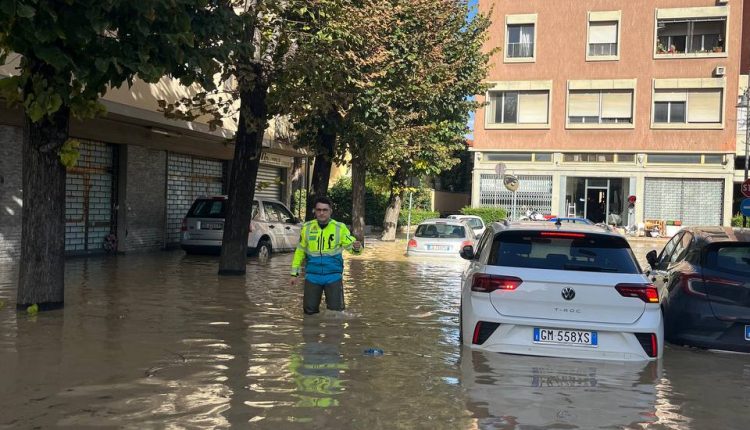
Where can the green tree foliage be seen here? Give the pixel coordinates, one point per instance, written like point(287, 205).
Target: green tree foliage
point(69, 53)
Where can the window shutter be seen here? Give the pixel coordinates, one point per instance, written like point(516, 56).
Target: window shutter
point(617, 104)
point(583, 103)
point(533, 107)
point(603, 32)
point(704, 105)
point(670, 96)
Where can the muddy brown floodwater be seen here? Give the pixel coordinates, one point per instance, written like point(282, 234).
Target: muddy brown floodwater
point(160, 341)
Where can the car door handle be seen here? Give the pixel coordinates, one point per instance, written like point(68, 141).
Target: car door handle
point(271, 226)
point(288, 228)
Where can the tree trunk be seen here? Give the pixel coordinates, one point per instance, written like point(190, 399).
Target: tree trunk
point(390, 221)
point(321, 169)
point(41, 277)
point(359, 174)
point(242, 177)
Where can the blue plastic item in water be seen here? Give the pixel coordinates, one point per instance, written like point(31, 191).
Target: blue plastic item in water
point(375, 352)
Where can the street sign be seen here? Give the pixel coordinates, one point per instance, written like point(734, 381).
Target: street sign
point(510, 182)
point(745, 207)
point(500, 169)
point(745, 188)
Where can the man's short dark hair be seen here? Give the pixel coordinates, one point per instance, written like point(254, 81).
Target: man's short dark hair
point(323, 199)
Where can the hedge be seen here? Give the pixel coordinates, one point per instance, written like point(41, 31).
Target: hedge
point(737, 220)
point(488, 215)
point(417, 216)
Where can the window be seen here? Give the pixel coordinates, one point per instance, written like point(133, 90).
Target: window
point(600, 107)
point(543, 157)
point(519, 107)
point(272, 214)
point(674, 158)
point(625, 158)
point(509, 156)
point(520, 41)
point(588, 157)
point(603, 39)
point(677, 33)
point(713, 159)
point(692, 106)
point(284, 213)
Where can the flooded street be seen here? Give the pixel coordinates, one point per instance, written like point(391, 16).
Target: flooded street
point(160, 341)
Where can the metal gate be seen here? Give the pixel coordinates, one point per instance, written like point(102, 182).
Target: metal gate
point(189, 177)
point(534, 192)
point(269, 181)
point(89, 193)
point(692, 201)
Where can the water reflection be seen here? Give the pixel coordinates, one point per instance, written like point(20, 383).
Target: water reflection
point(159, 340)
point(519, 392)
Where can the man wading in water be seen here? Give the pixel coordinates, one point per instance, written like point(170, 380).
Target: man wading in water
point(322, 242)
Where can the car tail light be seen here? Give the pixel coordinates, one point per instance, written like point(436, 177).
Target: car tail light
point(490, 283)
point(695, 285)
point(183, 225)
point(412, 243)
point(562, 234)
point(250, 227)
point(649, 343)
point(466, 243)
point(482, 331)
point(646, 292)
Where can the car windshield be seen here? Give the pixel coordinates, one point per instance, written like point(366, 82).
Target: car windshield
point(732, 258)
point(207, 209)
point(563, 251)
point(440, 230)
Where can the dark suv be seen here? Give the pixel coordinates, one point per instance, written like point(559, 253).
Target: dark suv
point(703, 276)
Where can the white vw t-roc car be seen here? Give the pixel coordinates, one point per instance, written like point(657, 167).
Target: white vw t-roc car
point(564, 290)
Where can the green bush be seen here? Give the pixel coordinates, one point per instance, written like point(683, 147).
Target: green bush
point(488, 215)
point(417, 216)
point(341, 196)
point(737, 220)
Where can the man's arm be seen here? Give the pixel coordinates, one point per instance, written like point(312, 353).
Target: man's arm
point(299, 255)
point(350, 242)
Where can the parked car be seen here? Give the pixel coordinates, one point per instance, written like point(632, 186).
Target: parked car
point(475, 222)
point(440, 237)
point(571, 290)
point(703, 276)
point(272, 227)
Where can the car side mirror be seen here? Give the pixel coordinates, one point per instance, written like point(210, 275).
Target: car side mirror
point(651, 258)
point(467, 252)
point(292, 220)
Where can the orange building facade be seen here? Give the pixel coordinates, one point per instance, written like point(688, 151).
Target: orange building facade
point(593, 101)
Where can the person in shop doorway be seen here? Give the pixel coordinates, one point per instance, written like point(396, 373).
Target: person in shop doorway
point(321, 246)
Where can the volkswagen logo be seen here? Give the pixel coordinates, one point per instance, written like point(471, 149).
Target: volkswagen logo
point(568, 293)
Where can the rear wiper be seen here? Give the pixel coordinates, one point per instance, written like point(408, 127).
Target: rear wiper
point(588, 268)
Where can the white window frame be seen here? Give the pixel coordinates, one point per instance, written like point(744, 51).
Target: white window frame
point(688, 84)
point(602, 85)
point(526, 19)
point(517, 86)
point(717, 12)
point(606, 16)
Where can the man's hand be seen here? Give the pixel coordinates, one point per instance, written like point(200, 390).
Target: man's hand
point(293, 281)
point(356, 245)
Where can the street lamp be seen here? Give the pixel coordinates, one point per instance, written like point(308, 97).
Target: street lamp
point(745, 103)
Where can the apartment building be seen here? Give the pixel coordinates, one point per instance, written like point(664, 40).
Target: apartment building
point(593, 101)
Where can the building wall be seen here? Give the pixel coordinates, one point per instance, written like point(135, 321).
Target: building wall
point(745, 60)
point(561, 56)
point(142, 205)
point(11, 196)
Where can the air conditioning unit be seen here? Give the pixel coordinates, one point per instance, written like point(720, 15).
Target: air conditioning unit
point(720, 71)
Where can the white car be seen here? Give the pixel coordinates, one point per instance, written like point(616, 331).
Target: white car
point(272, 228)
point(475, 222)
point(440, 237)
point(570, 290)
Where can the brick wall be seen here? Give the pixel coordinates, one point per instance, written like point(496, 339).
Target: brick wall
point(10, 192)
point(144, 202)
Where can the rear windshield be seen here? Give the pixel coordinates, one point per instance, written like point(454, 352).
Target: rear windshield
point(578, 252)
point(207, 209)
point(473, 222)
point(443, 231)
point(732, 258)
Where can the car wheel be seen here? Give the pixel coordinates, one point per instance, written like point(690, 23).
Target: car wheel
point(264, 250)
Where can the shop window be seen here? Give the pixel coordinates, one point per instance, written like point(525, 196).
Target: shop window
point(587, 157)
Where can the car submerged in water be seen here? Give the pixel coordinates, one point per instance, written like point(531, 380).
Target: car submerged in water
point(440, 237)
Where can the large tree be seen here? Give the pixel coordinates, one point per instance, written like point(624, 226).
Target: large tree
point(71, 52)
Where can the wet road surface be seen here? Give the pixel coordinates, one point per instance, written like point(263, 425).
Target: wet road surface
point(160, 341)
